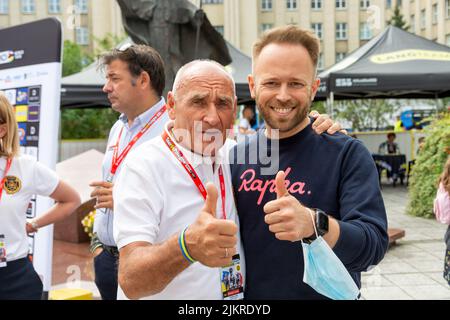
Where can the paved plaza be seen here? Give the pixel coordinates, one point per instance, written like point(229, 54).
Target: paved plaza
point(411, 269)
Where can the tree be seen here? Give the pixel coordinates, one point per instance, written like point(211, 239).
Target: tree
point(367, 114)
point(397, 19)
point(428, 167)
point(87, 123)
point(72, 58)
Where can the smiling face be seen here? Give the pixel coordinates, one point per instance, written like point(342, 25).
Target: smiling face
point(283, 85)
point(203, 106)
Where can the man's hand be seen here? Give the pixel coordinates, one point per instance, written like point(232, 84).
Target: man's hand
point(209, 240)
point(324, 123)
point(103, 193)
point(287, 218)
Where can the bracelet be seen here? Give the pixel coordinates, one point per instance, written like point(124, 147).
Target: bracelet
point(33, 224)
point(182, 243)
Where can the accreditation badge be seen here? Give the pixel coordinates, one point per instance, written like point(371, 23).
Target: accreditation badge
point(2, 251)
point(232, 281)
point(12, 184)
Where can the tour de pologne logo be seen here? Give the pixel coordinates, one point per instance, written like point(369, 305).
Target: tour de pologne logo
point(9, 56)
point(12, 184)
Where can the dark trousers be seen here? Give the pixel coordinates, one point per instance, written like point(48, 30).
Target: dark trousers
point(19, 281)
point(105, 265)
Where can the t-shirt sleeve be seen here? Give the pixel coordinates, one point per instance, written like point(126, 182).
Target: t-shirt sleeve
point(138, 203)
point(45, 180)
point(363, 238)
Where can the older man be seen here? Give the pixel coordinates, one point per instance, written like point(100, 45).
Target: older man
point(173, 231)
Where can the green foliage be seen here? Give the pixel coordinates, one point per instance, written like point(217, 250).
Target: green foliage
point(397, 19)
point(72, 58)
point(367, 114)
point(87, 123)
point(107, 43)
point(428, 167)
point(319, 106)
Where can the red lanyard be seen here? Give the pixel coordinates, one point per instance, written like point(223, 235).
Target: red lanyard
point(191, 171)
point(117, 159)
point(8, 166)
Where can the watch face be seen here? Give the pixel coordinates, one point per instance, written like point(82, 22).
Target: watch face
point(322, 222)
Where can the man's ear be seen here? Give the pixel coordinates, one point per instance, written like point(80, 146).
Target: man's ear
point(145, 80)
point(251, 85)
point(171, 105)
point(314, 87)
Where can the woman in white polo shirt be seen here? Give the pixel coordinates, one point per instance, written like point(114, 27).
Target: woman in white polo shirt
point(21, 177)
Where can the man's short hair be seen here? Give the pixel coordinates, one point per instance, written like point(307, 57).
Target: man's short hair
point(391, 134)
point(289, 34)
point(140, 58)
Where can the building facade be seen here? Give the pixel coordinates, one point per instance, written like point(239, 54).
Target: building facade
point(83, 21)
point(341, 25)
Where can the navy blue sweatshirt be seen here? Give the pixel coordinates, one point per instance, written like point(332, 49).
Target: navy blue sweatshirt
point(335, 173)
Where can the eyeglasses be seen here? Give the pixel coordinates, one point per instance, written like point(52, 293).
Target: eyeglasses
point(125, 46)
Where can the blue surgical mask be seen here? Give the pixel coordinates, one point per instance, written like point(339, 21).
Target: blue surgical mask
point(325, 273)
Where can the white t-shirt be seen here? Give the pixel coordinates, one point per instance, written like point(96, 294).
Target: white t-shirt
point(154, 198)
point(27, 177)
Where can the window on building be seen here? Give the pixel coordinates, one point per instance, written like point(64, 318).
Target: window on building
point(54, 6)
point(28, 6)
point(320, 63)
point(317, 28)
point(340, 56)
point(266, 26)
point(341, 31)
point(434, 14)
point(4, 6)
point(219, 29)
point(399, 3)
point(266, 5)
point(412, 24)
point(82, 36)
point(212, 1)
point(81, 6)
point(447, 40)
point(364, 4)
point(388, 3)
point(365, 32)
point(423, 19)
point(447, 8)
point(291, 4)
point(340, 4)
point(316, 4)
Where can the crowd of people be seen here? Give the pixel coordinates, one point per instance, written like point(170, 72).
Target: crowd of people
point(181, 206)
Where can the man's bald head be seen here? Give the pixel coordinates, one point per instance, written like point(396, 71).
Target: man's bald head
point(198, 68)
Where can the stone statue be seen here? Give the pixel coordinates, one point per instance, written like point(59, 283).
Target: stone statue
point(177, 29)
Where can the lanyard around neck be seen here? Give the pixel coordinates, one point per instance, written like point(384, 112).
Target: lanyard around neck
point(8, 166)
point(117, 159)
point(192, 173)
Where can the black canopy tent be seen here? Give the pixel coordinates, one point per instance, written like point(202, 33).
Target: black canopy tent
point(394, 64)
point(84, 89)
